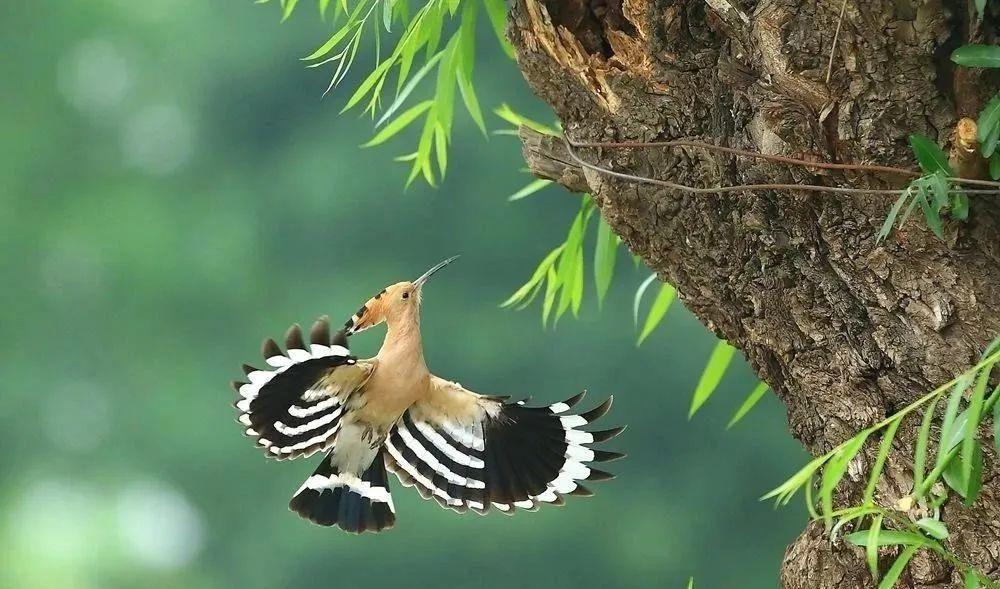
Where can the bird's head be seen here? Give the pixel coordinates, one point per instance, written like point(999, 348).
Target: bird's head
point(396, 303)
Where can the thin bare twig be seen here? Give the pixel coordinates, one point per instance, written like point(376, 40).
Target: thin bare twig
point(836, 35)
point(739, 187)
point(776, 158)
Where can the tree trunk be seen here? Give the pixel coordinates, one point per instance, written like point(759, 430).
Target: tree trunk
point(844, 330)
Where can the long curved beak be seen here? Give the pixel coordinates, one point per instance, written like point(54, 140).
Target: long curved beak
point(420, 281)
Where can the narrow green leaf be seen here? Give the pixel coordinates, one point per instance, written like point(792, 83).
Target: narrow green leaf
point(934, 528)
point(960, 206)
point(712, 375)
point(289, 7)
point(322, 8)
point(977, 56)
point(332, 42)
point(787, 489)
point(995, 166)
point(536, 277)
point(531, 188)
point(932, 215)
point(362, 90)
point(399, 123)
point(892, 575)
point(637, 300)
point(506, 113)
point(975, 480)
point(576, 296)
point(890, 219)
point(471, 102)
point(441, 148)
point(755, 395)
point(996, 425)
point(434, 26)
point(923, 439)
point(497, 11)
point(972, 422)
point(886, 538)
point(656, 312)
point(551, 287)
point(988, 126)
point(948, 422)
point(883, 452)
point(387, 15)
point(408, 88)
point(871, 548)
point(938, 188)
point(971, 578)
point(835, 469)
point(929, 155)
point(605, 257)
point(444, 93)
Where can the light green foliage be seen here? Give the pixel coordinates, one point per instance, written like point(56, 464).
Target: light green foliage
point(977, 56)
point(755, 395)
point(958, 464)
point(933, 192)
point(561, 273)
point(436, 22)
point(988, 128)
point(718, 362)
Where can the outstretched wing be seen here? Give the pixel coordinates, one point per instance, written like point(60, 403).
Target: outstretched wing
point(294, 407)
point(474, 451)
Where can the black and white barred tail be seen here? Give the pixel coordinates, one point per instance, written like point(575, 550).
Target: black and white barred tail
point(522, 457)
point(355, 505)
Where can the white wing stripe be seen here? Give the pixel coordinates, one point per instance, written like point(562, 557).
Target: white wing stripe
point(296, 411)
point(433, 462)
point(319, 482)
point(450, 451)
point(294, 431)
point(413, 472)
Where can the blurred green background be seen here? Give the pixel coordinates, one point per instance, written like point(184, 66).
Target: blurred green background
point(173, 189)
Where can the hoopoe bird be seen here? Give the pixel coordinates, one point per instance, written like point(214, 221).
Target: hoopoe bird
point(465, 450)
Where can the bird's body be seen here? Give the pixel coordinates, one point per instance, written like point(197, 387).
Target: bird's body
point(466, 450)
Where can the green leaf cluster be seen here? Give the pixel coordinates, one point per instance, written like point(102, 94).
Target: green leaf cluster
point(957, 462)
point(560, 275)
point(437, 42)
point(934, 192)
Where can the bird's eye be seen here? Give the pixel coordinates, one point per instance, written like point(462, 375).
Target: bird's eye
point(406, 295)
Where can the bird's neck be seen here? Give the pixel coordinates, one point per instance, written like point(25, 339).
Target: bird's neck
point(402, 342)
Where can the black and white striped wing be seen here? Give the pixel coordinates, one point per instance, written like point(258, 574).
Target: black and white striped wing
point(475, 452)
point(293, 408)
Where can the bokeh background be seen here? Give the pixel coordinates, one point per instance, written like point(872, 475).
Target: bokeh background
point(173, 189)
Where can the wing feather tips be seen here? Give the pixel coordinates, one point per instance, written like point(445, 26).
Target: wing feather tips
point(320, 331)
point(293, 338)
point(355, 505)
point(269, 349)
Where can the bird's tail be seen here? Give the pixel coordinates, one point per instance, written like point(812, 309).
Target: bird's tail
point(356, 505)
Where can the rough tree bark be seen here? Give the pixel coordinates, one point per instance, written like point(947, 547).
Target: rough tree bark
point(845, 331)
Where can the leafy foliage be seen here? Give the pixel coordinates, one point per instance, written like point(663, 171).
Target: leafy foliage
point(977, 56)
point(933, 192)
point(439, 38)
point(957, 463)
